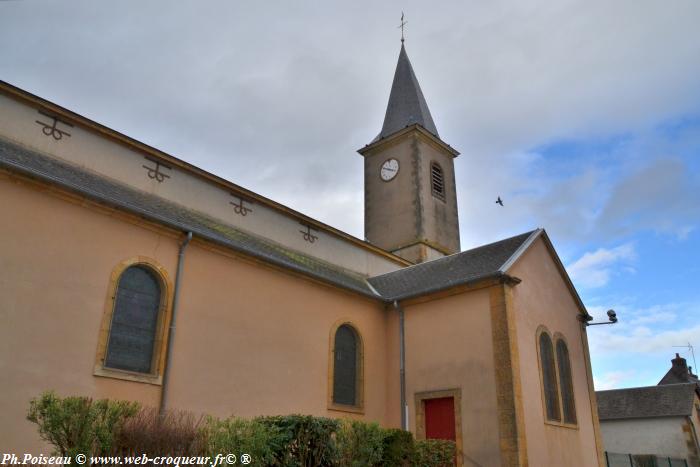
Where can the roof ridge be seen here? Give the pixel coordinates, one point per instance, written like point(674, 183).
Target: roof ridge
point(466, 267)
point(521, 249)
point(655, 386)
point(412, 266)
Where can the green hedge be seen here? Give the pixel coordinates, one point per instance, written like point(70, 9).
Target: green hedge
point(76, 425)
point(434, 452)
point(360, 444)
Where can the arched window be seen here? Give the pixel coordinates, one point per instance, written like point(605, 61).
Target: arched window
point(134, 323)
point(557, 379)
point(347, 367)
point(549, 377)
point(565, 383)
point(437, 179)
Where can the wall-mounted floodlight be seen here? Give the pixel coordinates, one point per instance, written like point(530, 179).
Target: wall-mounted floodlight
point(612, 319)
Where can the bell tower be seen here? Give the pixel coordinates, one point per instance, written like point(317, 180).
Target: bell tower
point(410, 192)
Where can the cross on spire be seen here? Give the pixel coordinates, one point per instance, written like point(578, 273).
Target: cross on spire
point(403, 23)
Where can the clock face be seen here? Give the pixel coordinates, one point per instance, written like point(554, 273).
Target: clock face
point(389, 169)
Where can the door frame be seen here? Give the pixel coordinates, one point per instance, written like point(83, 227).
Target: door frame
point(456, 395)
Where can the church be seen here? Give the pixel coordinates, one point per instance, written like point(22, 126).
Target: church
point(129, 273)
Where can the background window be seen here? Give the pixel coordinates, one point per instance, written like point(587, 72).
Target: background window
point(437, 181)
point(132, 332)
point(565, 384)
point(345, 366)
point(549, 378)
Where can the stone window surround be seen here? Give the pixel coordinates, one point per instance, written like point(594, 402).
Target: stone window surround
point(164, 314)
point(359, 408)
point(555, 339)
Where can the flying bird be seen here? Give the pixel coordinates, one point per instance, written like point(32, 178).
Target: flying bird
point(499, 201)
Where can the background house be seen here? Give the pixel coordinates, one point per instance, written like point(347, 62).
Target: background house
point(657, 420)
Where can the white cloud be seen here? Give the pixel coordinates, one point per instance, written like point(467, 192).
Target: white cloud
point(637, 350)
point(643, 340)
point(660, 317)
point(613, 379)
point(632, 316)
point(654, 330)
point(660, 196)
point(264, 93)
point(655, 314)
point(594, 269)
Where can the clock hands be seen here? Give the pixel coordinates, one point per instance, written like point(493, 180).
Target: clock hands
point(389, 169)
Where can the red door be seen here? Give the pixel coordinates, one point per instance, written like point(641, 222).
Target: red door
point(440, 418)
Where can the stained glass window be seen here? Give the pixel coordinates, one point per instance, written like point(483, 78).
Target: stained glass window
point(565, 383)
point(549, 378)
point(345, 366)
point(132, 333)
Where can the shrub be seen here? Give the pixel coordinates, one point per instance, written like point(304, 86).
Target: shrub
point(398, 448)
point(238, 436)
point(75, 425)
point(360, 444)
point(302, 440)
point(434, 453)
point(148, 432)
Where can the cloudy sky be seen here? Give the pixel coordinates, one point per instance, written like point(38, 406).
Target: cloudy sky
point(584, 116)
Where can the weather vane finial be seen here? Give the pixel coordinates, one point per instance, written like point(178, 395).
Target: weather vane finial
point(403, 23)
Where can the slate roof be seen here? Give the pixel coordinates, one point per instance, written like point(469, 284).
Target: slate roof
point(673, 378)
point(679, 373)
point(461, 268)
point(672, 400)
point(101, 189)
point(407, 105)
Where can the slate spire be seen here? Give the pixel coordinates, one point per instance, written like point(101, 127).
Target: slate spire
point(407, 105)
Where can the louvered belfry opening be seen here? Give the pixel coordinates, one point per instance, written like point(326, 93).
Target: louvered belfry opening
point(345, 366)
point(132, 332)
point(437, 181)
point(565, 383)
point(549, 378)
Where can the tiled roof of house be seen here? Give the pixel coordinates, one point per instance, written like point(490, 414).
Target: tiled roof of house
point(672, 400)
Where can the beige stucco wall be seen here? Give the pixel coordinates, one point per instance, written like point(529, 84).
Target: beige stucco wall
point(392, 397)
point(542, 298)
point(449, 346)
point(53, 289)
point(120, 162)
point(250, 339)
point(254, 341)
